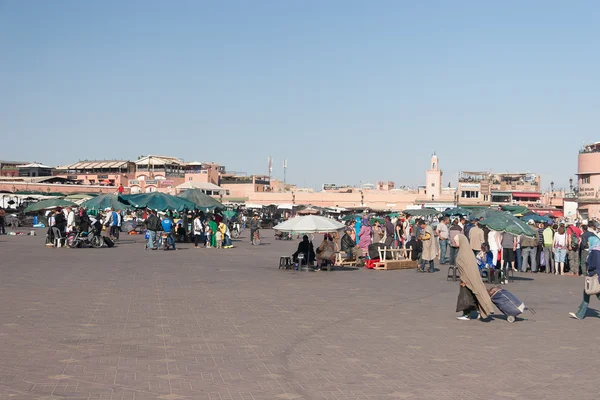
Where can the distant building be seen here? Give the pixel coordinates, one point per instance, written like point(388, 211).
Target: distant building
point(485, 188)
point(10, 168)
point(98, 172)
point(588, 173)
point(516, 188)
point(35, 169)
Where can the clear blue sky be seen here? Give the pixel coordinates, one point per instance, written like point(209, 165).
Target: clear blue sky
point(347, 91)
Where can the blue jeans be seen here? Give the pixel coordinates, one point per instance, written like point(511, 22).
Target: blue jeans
point(519, 259)
point(424, 263)
point(584, 305)
point(443, 250)
point(152, 240)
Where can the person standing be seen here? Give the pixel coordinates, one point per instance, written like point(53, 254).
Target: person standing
point(467, 229)
point(529, 250)
point(592, 265)
point(509, 246)
point(540, 246)
point(429, 247)
point(377, 233)
point(476, 238)
point(588, 232)
point(2, 221)
point(70, 220)
point(573, 238)
point(443, 233)
point(470, 277)
point(153, 225)
point(117, 232)
point(197, 230)
point(559, 244)
point(364, 236)
point(389, 232)
point(548, 235)
point(357, 228)
point(495, 243)
point(214, 227)
point(454, 231)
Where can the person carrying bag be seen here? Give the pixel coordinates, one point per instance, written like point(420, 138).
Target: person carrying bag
point(591, 280)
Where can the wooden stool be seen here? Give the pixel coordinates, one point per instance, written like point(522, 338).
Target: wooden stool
point(452, 273)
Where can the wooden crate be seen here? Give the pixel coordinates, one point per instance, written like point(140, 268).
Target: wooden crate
point(395, 264)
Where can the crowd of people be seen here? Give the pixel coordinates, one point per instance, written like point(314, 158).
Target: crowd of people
point(206, 230)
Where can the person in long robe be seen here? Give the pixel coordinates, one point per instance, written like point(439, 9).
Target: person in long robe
point(357, 227)
point(213, 237)
point(471, 278)
point(364, 236)
point(429, 247)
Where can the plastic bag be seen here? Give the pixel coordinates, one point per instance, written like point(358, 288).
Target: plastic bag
point(466, 300)
point(542, 259)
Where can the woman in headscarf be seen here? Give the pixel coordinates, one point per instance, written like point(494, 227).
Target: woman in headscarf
point(213, 229)
point(357, 227)
point(471, 278)
point(593, 265)
point(364, 236)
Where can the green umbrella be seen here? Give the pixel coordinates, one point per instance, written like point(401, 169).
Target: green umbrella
point(351, 217)
point(80, 196)
point(202, 201)
point(378, 219)
point(157, 201)
point(393, 215)
point(104, 201)
point(229, 214)
point(457, 211)
point(421, 212)
point(505, 222)
point(514, 210)
point(48, 204)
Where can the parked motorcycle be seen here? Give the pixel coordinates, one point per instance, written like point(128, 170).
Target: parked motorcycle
point(80, 238)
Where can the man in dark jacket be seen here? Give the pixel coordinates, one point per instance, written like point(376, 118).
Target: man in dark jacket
point(349, 245)
point(154, 225)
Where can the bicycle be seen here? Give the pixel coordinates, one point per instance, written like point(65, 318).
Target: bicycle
point(256, 238)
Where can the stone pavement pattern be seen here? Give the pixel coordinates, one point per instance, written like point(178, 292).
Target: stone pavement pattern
point(129, 324)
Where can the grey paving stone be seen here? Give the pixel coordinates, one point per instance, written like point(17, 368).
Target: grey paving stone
point(129, 324)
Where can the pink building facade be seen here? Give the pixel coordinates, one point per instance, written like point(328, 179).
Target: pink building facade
point(588, 173)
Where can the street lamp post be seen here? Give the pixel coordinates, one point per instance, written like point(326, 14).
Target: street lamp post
point(571, 185)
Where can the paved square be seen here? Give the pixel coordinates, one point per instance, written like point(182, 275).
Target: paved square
point(129, 324)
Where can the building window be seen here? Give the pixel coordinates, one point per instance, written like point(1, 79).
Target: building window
point(469, 194)
point(433, 185)
point(485, 197)
point(585, 179)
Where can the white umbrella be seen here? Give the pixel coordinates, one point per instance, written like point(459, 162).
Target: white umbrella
point(309, 224)
point(285, 206)
point(253, 206)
